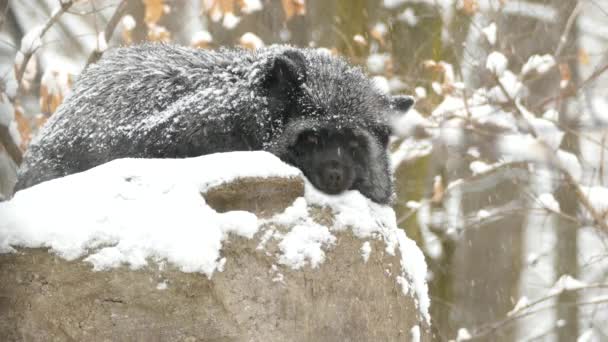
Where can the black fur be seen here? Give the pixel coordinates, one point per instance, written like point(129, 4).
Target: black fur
point(166, 101)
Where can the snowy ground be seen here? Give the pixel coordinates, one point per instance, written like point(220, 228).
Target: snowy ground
point(135, 211)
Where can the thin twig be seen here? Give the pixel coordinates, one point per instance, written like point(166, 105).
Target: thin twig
point(524, 312)
point(568, 94)
point(108, 31)
point(64, 6)
point(564, 37)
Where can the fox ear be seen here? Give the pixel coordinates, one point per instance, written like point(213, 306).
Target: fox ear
point(402, 103)
point(285, 74)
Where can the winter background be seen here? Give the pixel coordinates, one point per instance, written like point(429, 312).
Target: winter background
point(500, 171)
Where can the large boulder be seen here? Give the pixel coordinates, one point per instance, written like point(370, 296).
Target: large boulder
point(307, 267)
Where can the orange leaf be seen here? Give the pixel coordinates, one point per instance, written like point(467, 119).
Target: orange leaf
point(23, 126)
point(583, 56)
point(154, 10)
point(469, 7)
point(293, 7)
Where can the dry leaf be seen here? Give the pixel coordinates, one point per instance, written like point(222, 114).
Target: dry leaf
point(154, 11)
point(438, 190)
point(583, 57)
point(23, 127)
point(566, 75)
point(469, 7)
point(293, 7)
point(54, 86)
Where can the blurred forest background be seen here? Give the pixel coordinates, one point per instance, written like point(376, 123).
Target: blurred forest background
point(500, 171)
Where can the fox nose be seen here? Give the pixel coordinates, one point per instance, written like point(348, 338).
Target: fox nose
point(333, 176)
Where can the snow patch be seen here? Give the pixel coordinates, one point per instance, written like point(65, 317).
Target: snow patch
point(490, 33)
point(366, 250)
point(497, 63)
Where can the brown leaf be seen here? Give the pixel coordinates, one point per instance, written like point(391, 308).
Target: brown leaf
point(469, 7)
point(23, 126)
point(583, 56)
point(293, 7)
point(154, 11)
point(438, 190)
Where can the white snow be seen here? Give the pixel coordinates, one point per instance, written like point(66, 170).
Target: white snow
point(566, 283)
point(366, 250)
point(548, 201)
point(463, 335)
point(570, 163)
point(102, 44)
point(477, 167)
point(420, 92)
point(250, 6)
point(409, 17)
point(490, 33)
point(598, 196)
point(135, 212)
point(304, 245)
point(540, 64)
point(201, 38)
point(497, 63)
point(393, 3)
point(376, 62)
point(7, 112)
point(415, 333)
point(381, 84)
point(252, 41)
point(31, 41)
point(128, 211)
point(407, 124)
point(128, 22)
point(521, 303)
point(230, 21)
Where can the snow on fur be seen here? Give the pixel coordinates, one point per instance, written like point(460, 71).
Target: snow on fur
point(136, 211)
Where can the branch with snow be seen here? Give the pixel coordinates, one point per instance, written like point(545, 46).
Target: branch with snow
point(104, 37)
point(33, 39)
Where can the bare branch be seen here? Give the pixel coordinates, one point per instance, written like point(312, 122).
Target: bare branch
point(108, 31)
point(64, 6)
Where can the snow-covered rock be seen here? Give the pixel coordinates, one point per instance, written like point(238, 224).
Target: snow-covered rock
point(226, 246)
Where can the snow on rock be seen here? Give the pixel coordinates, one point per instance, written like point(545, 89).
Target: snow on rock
point(366, 250)
point(129, 210)
point(415, 333)
point(136, 211)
